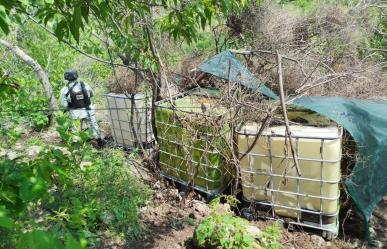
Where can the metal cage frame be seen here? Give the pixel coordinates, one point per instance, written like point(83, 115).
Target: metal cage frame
point(221, 168)
point(329, 230)
point(132, 142)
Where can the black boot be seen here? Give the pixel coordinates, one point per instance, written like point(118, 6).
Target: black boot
point(101, 142)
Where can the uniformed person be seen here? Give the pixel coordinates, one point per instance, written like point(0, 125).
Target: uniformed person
point(76, 98)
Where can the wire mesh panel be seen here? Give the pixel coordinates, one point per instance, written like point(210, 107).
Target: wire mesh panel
point(131, 127)
point(193, 141)
point(270, 179)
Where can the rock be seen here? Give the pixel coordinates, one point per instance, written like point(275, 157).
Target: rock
point(85, 164)
point(197, 215)
point(19, 147)
point(173, 192)
point(34, 150)
point(380, 213)
point(224, 208)
point(64, 150)
point(375, 244)
point(317, 240)
point(253, 231)
point(179, 198)
point(3, 152)
point(76, 139)
point(159, 195)
point(12, 155)
point(143, 209)
point(372, 232)
point(378, 229)
point(107, 217)
point(157, 185)
point(201, 209)
point(356, 243)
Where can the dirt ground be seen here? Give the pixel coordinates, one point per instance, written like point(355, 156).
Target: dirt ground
point(172, 216)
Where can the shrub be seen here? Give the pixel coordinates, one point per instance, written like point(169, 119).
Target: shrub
point(65, 197)
point(223, 229)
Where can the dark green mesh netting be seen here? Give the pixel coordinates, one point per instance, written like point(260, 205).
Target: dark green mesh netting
point(366, 120)
point(226, 66)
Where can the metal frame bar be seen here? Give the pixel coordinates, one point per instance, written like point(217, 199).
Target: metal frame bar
point(180, 127)
point(290, 177)
point(213, 152)
point(339, 135)
point(191, 161)
point(190, 174)
point(184, 94)
point(198, 188)
point(291, 158)
point(294, 193)
point(330, 227)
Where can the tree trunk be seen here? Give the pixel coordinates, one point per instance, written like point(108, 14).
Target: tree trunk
point(43, 77)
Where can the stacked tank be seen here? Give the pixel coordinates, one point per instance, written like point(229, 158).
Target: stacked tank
point(270, 179)
point(192, 132)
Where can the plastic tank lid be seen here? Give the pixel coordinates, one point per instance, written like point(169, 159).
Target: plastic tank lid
point(331, 132)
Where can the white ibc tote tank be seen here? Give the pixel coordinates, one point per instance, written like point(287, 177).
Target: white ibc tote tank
point(270, 178)
point(136, 133)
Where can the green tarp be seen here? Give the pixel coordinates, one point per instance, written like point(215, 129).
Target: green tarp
point(226, 66)
point(366, 120)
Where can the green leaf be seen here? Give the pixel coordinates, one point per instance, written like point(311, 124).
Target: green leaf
point(60, 29)
point(71, 243)
point(76, 23)
point(39, 240)
point(85, 12)
point(48, 17)
point(32, 189)
point(5, 221)
point(4, 20)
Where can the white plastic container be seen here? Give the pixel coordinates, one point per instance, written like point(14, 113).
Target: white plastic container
point(136, 133)
point(270, 177)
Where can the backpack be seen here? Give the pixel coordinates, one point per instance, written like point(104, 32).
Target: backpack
point(79, 99)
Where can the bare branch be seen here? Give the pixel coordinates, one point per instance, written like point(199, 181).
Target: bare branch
point(82, 52)
point(285, 114)
point(43, 77)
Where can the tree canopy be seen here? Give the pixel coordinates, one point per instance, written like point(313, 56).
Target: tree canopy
point(121, 25)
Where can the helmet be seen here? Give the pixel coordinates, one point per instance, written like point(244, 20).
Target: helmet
point(71, 75)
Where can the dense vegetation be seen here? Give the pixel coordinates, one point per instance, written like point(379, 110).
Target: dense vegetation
point(72, 189)
point(70, 194)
